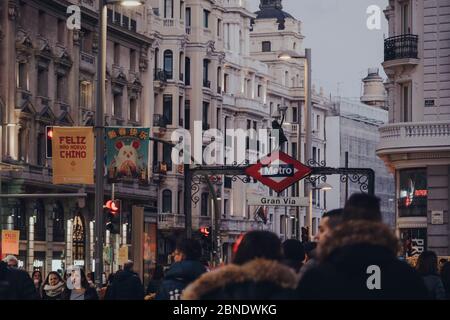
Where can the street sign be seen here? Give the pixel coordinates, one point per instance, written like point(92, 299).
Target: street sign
point(278, 171)
point(277, 202)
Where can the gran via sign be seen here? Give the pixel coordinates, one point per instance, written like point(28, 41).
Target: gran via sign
point(277, 202)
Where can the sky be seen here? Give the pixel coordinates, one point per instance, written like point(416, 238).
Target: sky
point(342, 46)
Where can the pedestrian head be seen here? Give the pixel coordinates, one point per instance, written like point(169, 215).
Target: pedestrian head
point(37, 277)
point(330, 220)
point(187, 249)
point(294, 254)
point(128, 266)
point(427, 264)
point(76, 278)
point(11, 261)
point(258, 244)
point(362, 206)
point(309, 249)
point(53, 278)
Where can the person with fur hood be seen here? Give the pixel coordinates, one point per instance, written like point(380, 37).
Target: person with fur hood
point(256, 273)
point(358, 260)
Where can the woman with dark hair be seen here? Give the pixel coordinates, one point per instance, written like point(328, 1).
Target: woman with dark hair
point(78, 287)
point(155, 282)
point(445, 276)
point(256, 273)
point(37, 280)
point(53, 287)
point(427, 267)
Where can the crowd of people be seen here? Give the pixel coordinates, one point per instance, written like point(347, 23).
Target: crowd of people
point(337, 265)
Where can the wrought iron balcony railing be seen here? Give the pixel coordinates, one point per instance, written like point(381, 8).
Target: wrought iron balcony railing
point(206, 84)
point(159, 120)
point(160, 75)
point(400, 47)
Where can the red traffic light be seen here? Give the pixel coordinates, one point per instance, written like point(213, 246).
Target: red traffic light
point(205, 231)
point(113, 206)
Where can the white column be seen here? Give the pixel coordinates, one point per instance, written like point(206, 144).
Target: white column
point(69, 247)
point(91, 245)
point(30, 258)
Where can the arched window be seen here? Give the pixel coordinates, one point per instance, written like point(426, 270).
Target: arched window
point(187, 71)
point(156, 59)
point(168, 64)
point(79, 237)
point(167, 201)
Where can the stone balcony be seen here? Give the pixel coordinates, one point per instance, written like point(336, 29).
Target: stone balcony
point(238, 225)
point(414, 136)
point(168, 221)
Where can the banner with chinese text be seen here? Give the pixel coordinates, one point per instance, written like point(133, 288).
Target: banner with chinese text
point(127, 154)
point(73, 155)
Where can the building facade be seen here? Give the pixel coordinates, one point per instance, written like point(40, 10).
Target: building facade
point(49, 78)
point(352, 137)
point(415, 144)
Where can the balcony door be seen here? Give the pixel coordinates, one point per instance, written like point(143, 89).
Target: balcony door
point(406, 17)
point(406, 102)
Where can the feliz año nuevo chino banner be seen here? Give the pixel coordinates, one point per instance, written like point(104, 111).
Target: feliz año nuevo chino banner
point(73, 155)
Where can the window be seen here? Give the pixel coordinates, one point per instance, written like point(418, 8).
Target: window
point(117, 105)
point(60, 87)
point(405, 18)
point(133, 59)
point(187, 71)
point(294, 115)
point(188, 17)
point(86, 41)
point(180, 66)
point(116, 53)
point(206, 19)
point(167, 156)
point(179, 201)
point(58, 223)
point(266, 46)
point(167, 108)
point(413, 193)
point(41, 153)
point(168, 64)
point(167, 201)
point(204, 204)
point(205, 116)
point(225, 208)
point(206, 82)
point(219, 23)
point(42, 82)
point(39, 222)
point(61, 31)
point(181, 9)
point(226, 82)
point(20, 217)
point(180, 111)
point(133, 110)
point(286, 78)
point(187, 114)
point(41, 22)
point(219, 80)
point(294, 150)
point(85, 94)
point(406, 102)
point(259, 91)
point(168, 9)
point(318, 123)
point(314, 226)
point(22, 81)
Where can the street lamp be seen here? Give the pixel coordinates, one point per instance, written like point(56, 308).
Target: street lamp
point(287, 55)
point(323, 186)
point(99, 130)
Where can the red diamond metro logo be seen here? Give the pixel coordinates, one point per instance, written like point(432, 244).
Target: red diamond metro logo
point(278, 171)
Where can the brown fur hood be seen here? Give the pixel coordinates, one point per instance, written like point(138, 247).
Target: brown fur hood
point(257, 270)
point(358, 232)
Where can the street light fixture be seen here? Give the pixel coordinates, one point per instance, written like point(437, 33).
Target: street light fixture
point(99, 130)
point(287, 55)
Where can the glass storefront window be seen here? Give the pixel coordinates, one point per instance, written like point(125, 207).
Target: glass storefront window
point(413, 193)
point(414, 241)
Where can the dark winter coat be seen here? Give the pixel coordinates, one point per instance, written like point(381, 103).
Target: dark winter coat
point(178, 277)
point(126, 286)
point(153, 286)
point(90, 294)
point(16, 284)
point(258, 279)
point(435, 287)
point(345, 256)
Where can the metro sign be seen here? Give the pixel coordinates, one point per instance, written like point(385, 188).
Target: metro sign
point(278, 171)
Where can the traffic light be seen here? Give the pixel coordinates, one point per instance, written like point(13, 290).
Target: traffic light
point(205, 231)
point(48, 143)
point(112, 208)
